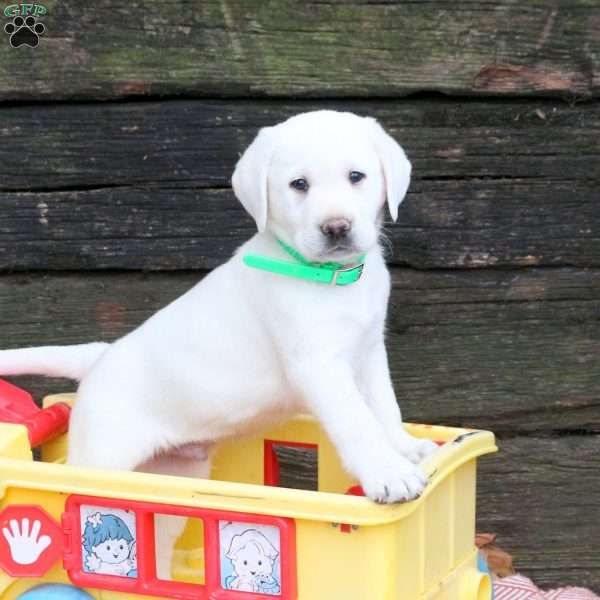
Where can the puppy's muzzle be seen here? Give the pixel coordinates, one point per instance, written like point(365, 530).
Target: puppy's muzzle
point(336, 229)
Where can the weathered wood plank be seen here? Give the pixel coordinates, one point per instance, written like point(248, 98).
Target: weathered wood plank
point(495, 184)
point(298, 467)
point(540, 496)
point(355, 48)
point(141, 143)
point(518, 349)
point(511, 350)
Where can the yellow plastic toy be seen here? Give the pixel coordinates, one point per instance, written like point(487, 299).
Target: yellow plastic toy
point(84, 533)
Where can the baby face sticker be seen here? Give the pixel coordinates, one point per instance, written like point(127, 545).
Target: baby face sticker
point(108, 541)
point(250, 557)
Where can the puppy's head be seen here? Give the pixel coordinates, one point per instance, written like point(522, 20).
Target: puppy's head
point(319, 181)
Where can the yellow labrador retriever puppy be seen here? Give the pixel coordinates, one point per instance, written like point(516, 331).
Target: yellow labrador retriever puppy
point(294, 321)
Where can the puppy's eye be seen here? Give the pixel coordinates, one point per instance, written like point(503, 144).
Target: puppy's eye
point(356, 176)
point(300, 184)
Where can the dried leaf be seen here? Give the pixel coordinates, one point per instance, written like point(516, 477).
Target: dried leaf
point(499, 561)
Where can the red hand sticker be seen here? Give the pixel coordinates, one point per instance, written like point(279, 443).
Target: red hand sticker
point(31, 541)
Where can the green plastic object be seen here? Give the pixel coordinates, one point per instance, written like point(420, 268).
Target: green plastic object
point(330, 273)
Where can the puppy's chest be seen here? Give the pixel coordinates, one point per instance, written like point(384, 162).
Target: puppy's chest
point(366, 308)
point(304, 318)
point(350, 312)
point(367, 301)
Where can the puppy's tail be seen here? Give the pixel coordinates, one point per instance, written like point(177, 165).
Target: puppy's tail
point(72, 362)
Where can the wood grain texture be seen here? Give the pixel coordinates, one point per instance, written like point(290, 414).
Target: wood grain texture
point(518, 349)
point(540, 496)
point(107, 49)
point(146, 185)
point(510, 350)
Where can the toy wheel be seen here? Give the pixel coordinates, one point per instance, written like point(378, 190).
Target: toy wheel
point(486, 589)
point(485, 570)
point(476, 586)
point(55, 591)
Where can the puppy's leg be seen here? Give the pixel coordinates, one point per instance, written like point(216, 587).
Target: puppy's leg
point(168, 528)
point(376, 385)
point(108, 431)
point(107, 439)
point(331, 394)
point(125, 457)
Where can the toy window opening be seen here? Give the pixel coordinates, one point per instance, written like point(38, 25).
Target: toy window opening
point(219, 555)
point(179, 548)
point(291, 465)
point(112, 545)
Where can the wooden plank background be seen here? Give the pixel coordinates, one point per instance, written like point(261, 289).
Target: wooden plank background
point(119, 132)
point(318, 48)
point(496, 183)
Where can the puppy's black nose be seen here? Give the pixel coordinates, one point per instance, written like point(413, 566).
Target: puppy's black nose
point(336, 229)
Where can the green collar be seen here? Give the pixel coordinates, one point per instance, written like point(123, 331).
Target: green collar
point(331, 273)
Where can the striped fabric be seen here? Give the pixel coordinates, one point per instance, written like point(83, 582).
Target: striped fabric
point(517, 587)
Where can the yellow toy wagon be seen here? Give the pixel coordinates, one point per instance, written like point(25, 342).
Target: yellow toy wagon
point(73, 533)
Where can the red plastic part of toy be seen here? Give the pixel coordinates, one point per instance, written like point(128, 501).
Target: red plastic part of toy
point(17, 406)
point(271, 475)
point(146, 581)
point(31, 541)
point(48, 423)
point(355, 490)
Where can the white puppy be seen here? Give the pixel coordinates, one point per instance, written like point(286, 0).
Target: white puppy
point(248, 346)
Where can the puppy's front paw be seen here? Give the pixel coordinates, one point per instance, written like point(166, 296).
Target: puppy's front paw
point(414, 449)
point(394, 480)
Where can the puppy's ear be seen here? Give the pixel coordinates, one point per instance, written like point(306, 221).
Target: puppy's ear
point(250, 176)
point(396, 167)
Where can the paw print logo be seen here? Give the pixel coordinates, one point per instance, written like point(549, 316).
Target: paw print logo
point(24, 32)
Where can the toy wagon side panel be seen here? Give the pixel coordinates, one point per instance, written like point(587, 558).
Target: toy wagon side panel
point(246, 460)
point(346, 547)
point(424, 553)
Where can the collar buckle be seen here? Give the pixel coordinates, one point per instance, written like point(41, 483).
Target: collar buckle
point(358, 267)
